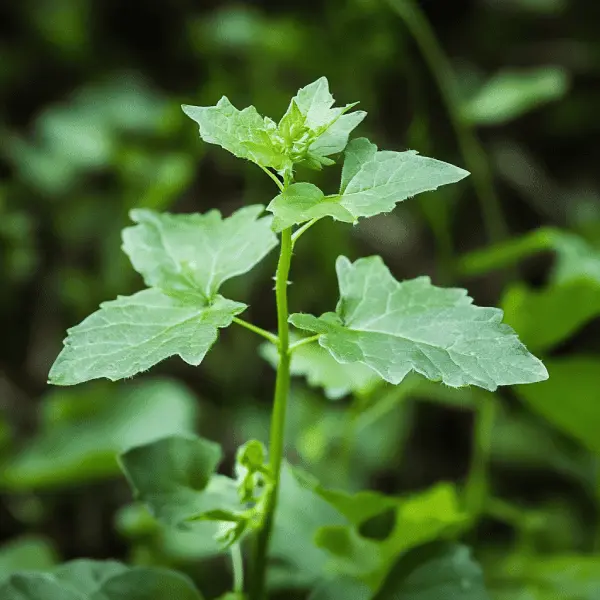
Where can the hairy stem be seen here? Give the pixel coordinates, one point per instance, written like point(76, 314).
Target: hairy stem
point(477, 485)
point(471, 149)
point(282, 386)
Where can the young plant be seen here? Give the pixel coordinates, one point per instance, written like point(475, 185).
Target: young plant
point(380, 326)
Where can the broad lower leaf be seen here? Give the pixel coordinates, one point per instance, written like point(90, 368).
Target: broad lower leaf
point(26, 554)
point(373, 182)
point(84, 429)
point(131, 334)
point(193, 255)
point(394, 328)
point(175, 477)
point(100, 580)
point(244, 133)
point(418, 519)
point(435, 572)
point(142, 531)
point(341, 588)
point(322, 370)
point(296, 561)
point(570, 400)
point(510, 94)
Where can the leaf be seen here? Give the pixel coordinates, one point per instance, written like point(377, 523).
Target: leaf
point(341, 588)
point(372, 183)
point(244, 133)
point(418, 519)
point(544, 318)
point(100, 580)
point(83, 431)
point(328, 128)
point(394, 328)
point(322, 370)
point(175, 477)
point(131, 334)
point(570, 400)
point(193, 255)
point(26, 554)
point(142, 531)
point(296, 561)
point(511, 93)
point(435, 572)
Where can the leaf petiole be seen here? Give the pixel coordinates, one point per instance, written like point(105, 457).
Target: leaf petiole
point(303, 341)
point(273, 177)
point(303, 229)
point(258, 330)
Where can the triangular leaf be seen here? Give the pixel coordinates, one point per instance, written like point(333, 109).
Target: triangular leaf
point(373, 182)
point(131, 334)
point(193, 255)
point(244, 133)
point(176, 478)
point(394, 328)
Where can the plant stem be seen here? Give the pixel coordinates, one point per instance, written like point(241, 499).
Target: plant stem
point(237, 563)
point(470, 147)
point(273, 177)
point(304, 341)
point(282, 385)
point(477, 485)
point(259, 330)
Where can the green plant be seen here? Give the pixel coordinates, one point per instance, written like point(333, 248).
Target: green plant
point(381, 328)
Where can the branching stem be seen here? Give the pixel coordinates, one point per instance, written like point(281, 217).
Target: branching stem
point(237, 564)
point(258, 330)
point(273, 177)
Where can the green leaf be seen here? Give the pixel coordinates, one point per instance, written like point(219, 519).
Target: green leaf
point(175, 477)
point(509, 94)
point(570, 400)
point(341, 588)
point(131, 334)
point(37, 587)
point(328, 128)
point(544, 318)
point(372, 183)
point(100, 580)
point(394, 328)
point(322, 370)
point(302, 202)
point(244, 133)
point(83, 431)
point(419, 518)
point(435, 572)
point(193, 255)
point(296, 561)
point(26, 554)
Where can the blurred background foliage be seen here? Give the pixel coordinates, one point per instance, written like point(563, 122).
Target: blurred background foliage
point(90, 127)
